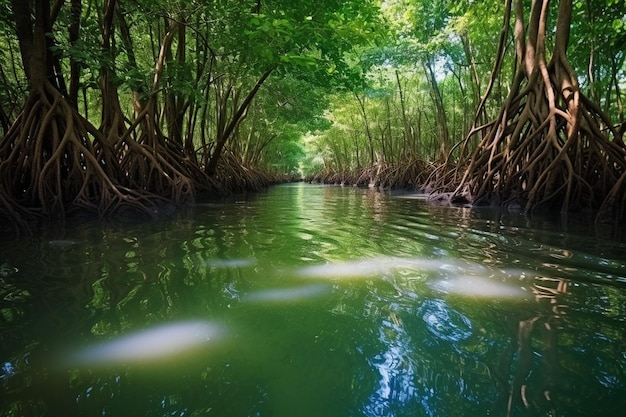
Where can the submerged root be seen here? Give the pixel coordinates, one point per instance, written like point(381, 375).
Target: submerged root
point(14, 217)
point(613, 207)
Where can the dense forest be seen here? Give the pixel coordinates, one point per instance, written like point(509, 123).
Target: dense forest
point(134, 107)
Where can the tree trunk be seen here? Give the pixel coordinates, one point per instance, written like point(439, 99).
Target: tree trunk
point(235, 119)
point(175, 103)
point(440, 113)
point(74, 35)
point(24, 31)
point(366, 125)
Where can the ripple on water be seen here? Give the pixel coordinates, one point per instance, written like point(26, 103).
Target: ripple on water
point(444, 322)
point(7, 270)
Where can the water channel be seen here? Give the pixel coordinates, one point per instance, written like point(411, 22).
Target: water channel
point(309, 300)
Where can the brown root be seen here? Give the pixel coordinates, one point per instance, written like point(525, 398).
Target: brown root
point(549, 147)
point(545, 149)
point(613, 208)
point(408, 174)
point(539, 154)
point(49, 164)
point(234, 177)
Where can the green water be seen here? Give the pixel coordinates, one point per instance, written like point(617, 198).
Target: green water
point(315, 301)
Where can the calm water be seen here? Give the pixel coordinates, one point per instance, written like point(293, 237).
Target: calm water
point(315, 301)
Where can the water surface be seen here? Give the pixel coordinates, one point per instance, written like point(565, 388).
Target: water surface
point(316, 301)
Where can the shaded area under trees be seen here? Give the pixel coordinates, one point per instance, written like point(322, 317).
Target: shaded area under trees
point(188, 72)
point(537, 141)
point(549, 146)
point(139, 107)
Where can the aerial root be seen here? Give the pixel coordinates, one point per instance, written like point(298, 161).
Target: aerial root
point(49, 164)
point(540, 154)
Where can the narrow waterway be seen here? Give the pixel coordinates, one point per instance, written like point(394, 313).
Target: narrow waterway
point(318, 301)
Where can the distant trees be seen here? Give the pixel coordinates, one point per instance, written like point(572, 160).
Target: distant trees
point(425, 80)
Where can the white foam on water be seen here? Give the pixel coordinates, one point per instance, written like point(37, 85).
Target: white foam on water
point(369, 267)
point(152, 344)
point(348, 269)
point(452, 276)
point(478, 286)
point(63, 243)
point(230, 263)
point(287, 294)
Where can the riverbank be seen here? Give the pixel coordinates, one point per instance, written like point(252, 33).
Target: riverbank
point(443, 184)
point(22, 217)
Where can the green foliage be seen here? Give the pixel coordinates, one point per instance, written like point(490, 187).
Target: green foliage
point(325, 56)
point(13, 84)
point(597, 49)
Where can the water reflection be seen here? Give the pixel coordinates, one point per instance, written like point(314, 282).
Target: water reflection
point(157, 343)
point(396, 387)
point(424, 367)
point(444, 322)
point(333, 301)
point(6, 270)
point(453, 276)
point(286, 295)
